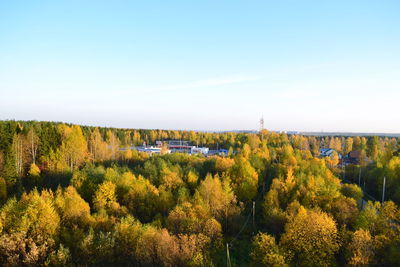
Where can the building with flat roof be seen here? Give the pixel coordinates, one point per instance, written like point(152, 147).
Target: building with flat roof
point(199, 150)
point(179, 146)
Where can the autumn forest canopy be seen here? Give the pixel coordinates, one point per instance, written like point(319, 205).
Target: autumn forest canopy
point(75, 195)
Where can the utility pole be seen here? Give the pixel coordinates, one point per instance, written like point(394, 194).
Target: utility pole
point(228, 258)
point(344, 171)
point(262, 128)
point(383, 190)
point(262, 123)
point(254, 214)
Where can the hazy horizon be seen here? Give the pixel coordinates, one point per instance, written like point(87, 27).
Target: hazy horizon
point(309, 66)
point(328, 133)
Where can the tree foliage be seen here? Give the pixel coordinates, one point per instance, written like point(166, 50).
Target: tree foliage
point(83, 196)
point(311, 238)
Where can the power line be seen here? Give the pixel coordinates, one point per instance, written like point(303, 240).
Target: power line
point(362, 189)
point(251, 214)
point(383, 189)
point(241, 229)
point(254, 214)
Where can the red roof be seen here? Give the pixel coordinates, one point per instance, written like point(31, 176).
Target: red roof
point(355, 154)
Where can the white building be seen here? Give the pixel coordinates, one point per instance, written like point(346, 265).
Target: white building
point(198, 150)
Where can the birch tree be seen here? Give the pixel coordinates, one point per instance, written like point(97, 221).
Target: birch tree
point(33, 144)
point(74, 146)
point(97, 146)
point(113, 144)
point(18, 149)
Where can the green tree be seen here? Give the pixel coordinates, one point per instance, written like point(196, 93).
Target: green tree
point(245, 179)
point(266, 252)
point(141, 198)
point(352, 190)
point(373, 148)
point(3, 190)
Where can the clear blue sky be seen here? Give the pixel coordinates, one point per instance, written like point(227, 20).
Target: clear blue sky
point(209, 65)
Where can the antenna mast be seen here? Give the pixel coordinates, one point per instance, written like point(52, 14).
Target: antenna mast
point(262, 127)
point(262, 123)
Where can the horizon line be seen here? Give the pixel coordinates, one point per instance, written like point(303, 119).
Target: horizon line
point(301, 132)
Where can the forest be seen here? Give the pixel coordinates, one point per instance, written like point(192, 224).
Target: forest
point(74, 195)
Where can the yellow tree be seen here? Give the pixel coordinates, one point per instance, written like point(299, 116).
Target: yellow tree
point(348, 146)
point(74, 146)
point(193, 137)
point(363, 143)
point(334, 159)
point(335, 143)
point(71, 207)
point(254, 141)
point(361, 249)
point(191, 179)
point(128, 154)
point(170, 178)
point(244, 179)
point(128, 139)
point(33, 175)
point(105, 196)
point(356, 143)
point(141, 196)
point(164, 148)
point(113, 144)
point(98, 148)
point(222, 164)
point(33, 214)
point(266, 252)
point(136, 138)
point(187, 218)
point(29, 227)
point(219, 197)
point(311, 238)
point(373, 148)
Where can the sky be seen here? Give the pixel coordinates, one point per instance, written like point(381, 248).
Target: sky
point(203, 65)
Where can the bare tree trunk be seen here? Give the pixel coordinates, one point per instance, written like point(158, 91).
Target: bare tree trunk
point(18, 153)
point(33, 140)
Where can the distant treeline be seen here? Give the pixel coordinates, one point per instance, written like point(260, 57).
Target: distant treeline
point(397, 135)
